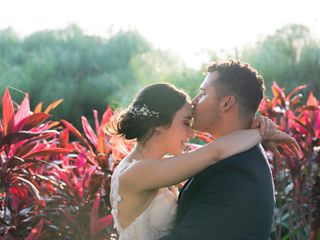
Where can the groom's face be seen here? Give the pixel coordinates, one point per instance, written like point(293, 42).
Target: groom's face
point(206, 105)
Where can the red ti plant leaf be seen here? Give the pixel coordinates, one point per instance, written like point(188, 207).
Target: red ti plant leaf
point(16, 137)
point(32, 121)
point(278, 94)
point(60, 173)
point(38, 108)
point(263, 106)
point(101, 148)
point(64, 138)
point(312, 101)
point(101, 224)
point(87, 177)
point(295, 100)
point(53, 105)
point(76, 133)
point(22, 149)
point(53, 124)
point(94, 214)
point(36, 231)
point(98, 224)
point(23, 111)
point(106, 116)
point(45, 152)
point(7, 113)
point(89, 131)
point(33, 189)
point(297, 89)
point(17, 194)
point(81, 161)
point(103, 138)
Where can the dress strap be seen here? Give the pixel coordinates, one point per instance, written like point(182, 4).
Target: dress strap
point(115, 192)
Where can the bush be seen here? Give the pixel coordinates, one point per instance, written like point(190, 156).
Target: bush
point(52, 187)
point(297, 182)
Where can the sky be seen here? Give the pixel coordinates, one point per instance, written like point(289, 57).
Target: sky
point(184, 27)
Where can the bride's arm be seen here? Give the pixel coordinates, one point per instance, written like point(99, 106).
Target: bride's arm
point(156, 173)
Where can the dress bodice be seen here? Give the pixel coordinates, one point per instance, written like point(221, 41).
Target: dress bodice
point(155, 221)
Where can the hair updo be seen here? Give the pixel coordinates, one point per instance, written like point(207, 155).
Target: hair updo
point(154, 105)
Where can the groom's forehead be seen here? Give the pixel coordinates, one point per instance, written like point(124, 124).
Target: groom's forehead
point(208, 81)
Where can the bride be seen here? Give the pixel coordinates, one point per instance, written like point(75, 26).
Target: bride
point(160, 119)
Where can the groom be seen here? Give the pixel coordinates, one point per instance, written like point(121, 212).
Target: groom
point(233, 199)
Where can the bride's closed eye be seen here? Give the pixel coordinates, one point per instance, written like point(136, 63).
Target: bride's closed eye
point(189, 122)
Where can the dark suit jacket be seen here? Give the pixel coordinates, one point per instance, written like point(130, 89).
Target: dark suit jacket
point(231, 200)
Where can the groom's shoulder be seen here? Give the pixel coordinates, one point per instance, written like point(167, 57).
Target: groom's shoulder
point(243, 159)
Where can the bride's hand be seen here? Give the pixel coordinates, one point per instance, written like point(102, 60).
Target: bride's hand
point(287, 142)
point(272, 137)
point(266, 126)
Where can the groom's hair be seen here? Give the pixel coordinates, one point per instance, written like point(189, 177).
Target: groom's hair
point(242, 81)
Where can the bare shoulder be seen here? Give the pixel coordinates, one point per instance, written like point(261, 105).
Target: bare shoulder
point(134, 169)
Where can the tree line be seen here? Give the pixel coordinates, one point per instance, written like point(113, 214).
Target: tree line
point(91, 72)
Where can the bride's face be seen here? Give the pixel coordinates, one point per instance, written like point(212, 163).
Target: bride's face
point(180, 131)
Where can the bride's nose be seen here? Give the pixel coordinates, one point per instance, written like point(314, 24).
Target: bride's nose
point(191, 133)
point(195, 101)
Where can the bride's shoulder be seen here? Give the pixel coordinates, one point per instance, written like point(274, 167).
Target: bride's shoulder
point(123, 168)
point(124, 163)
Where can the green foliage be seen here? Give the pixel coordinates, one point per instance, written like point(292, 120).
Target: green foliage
point(89, 72)
point(290, 56)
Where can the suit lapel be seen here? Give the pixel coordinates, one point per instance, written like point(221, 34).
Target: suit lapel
point(184, 189)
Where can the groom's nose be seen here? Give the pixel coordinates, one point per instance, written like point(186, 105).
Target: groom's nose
point(195, 101)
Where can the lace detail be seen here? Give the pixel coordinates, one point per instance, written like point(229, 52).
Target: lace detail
point(154, 222)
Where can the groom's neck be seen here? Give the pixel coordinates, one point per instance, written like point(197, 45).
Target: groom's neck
point(229, 126)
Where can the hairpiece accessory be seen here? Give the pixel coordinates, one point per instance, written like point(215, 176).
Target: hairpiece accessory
point(142, 111)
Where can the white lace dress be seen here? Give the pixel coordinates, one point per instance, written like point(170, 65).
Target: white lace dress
point(155, 222)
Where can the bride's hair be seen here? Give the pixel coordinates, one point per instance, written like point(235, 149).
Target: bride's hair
point(154, 105)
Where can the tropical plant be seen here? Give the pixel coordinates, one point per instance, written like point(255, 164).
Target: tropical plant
point(55, 181)
point(51, 187)
point(297, 184)
point(26, 143)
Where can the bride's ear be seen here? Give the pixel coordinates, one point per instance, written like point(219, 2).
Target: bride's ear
point(226, 103)
point(157, 131)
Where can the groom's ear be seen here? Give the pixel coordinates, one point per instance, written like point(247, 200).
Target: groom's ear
point(227, 102)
